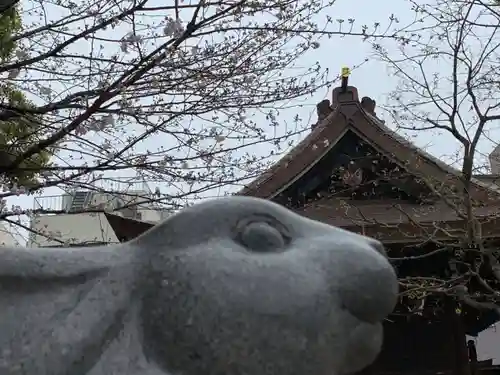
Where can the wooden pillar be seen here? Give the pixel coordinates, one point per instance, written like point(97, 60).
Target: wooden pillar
point(461, 353)
point(471, 346)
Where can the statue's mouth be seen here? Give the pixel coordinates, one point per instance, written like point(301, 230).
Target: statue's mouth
point(363, 342)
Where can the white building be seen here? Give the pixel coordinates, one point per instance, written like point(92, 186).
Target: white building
point(73, 226)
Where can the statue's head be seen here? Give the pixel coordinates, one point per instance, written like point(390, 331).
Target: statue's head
point(244, 286)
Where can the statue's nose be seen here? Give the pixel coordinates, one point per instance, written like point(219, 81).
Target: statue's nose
point(370, 287)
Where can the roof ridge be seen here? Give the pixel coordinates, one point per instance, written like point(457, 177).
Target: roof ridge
point(283, 161)
point(361, 118)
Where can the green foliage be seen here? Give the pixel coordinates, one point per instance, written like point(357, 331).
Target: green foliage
point(10, 23)
point(18, 134)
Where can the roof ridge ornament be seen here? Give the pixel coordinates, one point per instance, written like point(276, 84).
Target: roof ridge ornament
point(344, 93)
point(369, 104)
point(344, 75)
point(323, 110)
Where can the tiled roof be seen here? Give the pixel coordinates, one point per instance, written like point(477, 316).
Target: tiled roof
point(349, 114)
point(445, 167)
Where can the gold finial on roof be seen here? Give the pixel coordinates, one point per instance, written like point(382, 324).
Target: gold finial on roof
point(345, 72)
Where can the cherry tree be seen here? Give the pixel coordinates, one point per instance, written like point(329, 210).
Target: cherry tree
point(448, 89)
point(186, 95)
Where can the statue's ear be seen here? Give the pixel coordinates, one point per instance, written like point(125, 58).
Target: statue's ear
point(53, 263)
point(61, 307)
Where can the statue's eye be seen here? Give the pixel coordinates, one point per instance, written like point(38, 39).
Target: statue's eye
point(262, 237)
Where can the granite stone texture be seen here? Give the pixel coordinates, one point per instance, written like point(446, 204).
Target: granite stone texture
point(235, 286)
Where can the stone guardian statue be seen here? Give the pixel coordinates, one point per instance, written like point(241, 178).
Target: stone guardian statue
point(235, 286)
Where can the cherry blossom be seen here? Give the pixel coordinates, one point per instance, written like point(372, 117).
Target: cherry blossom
point(173, 27)
point(182, 95)
point(22, 54)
